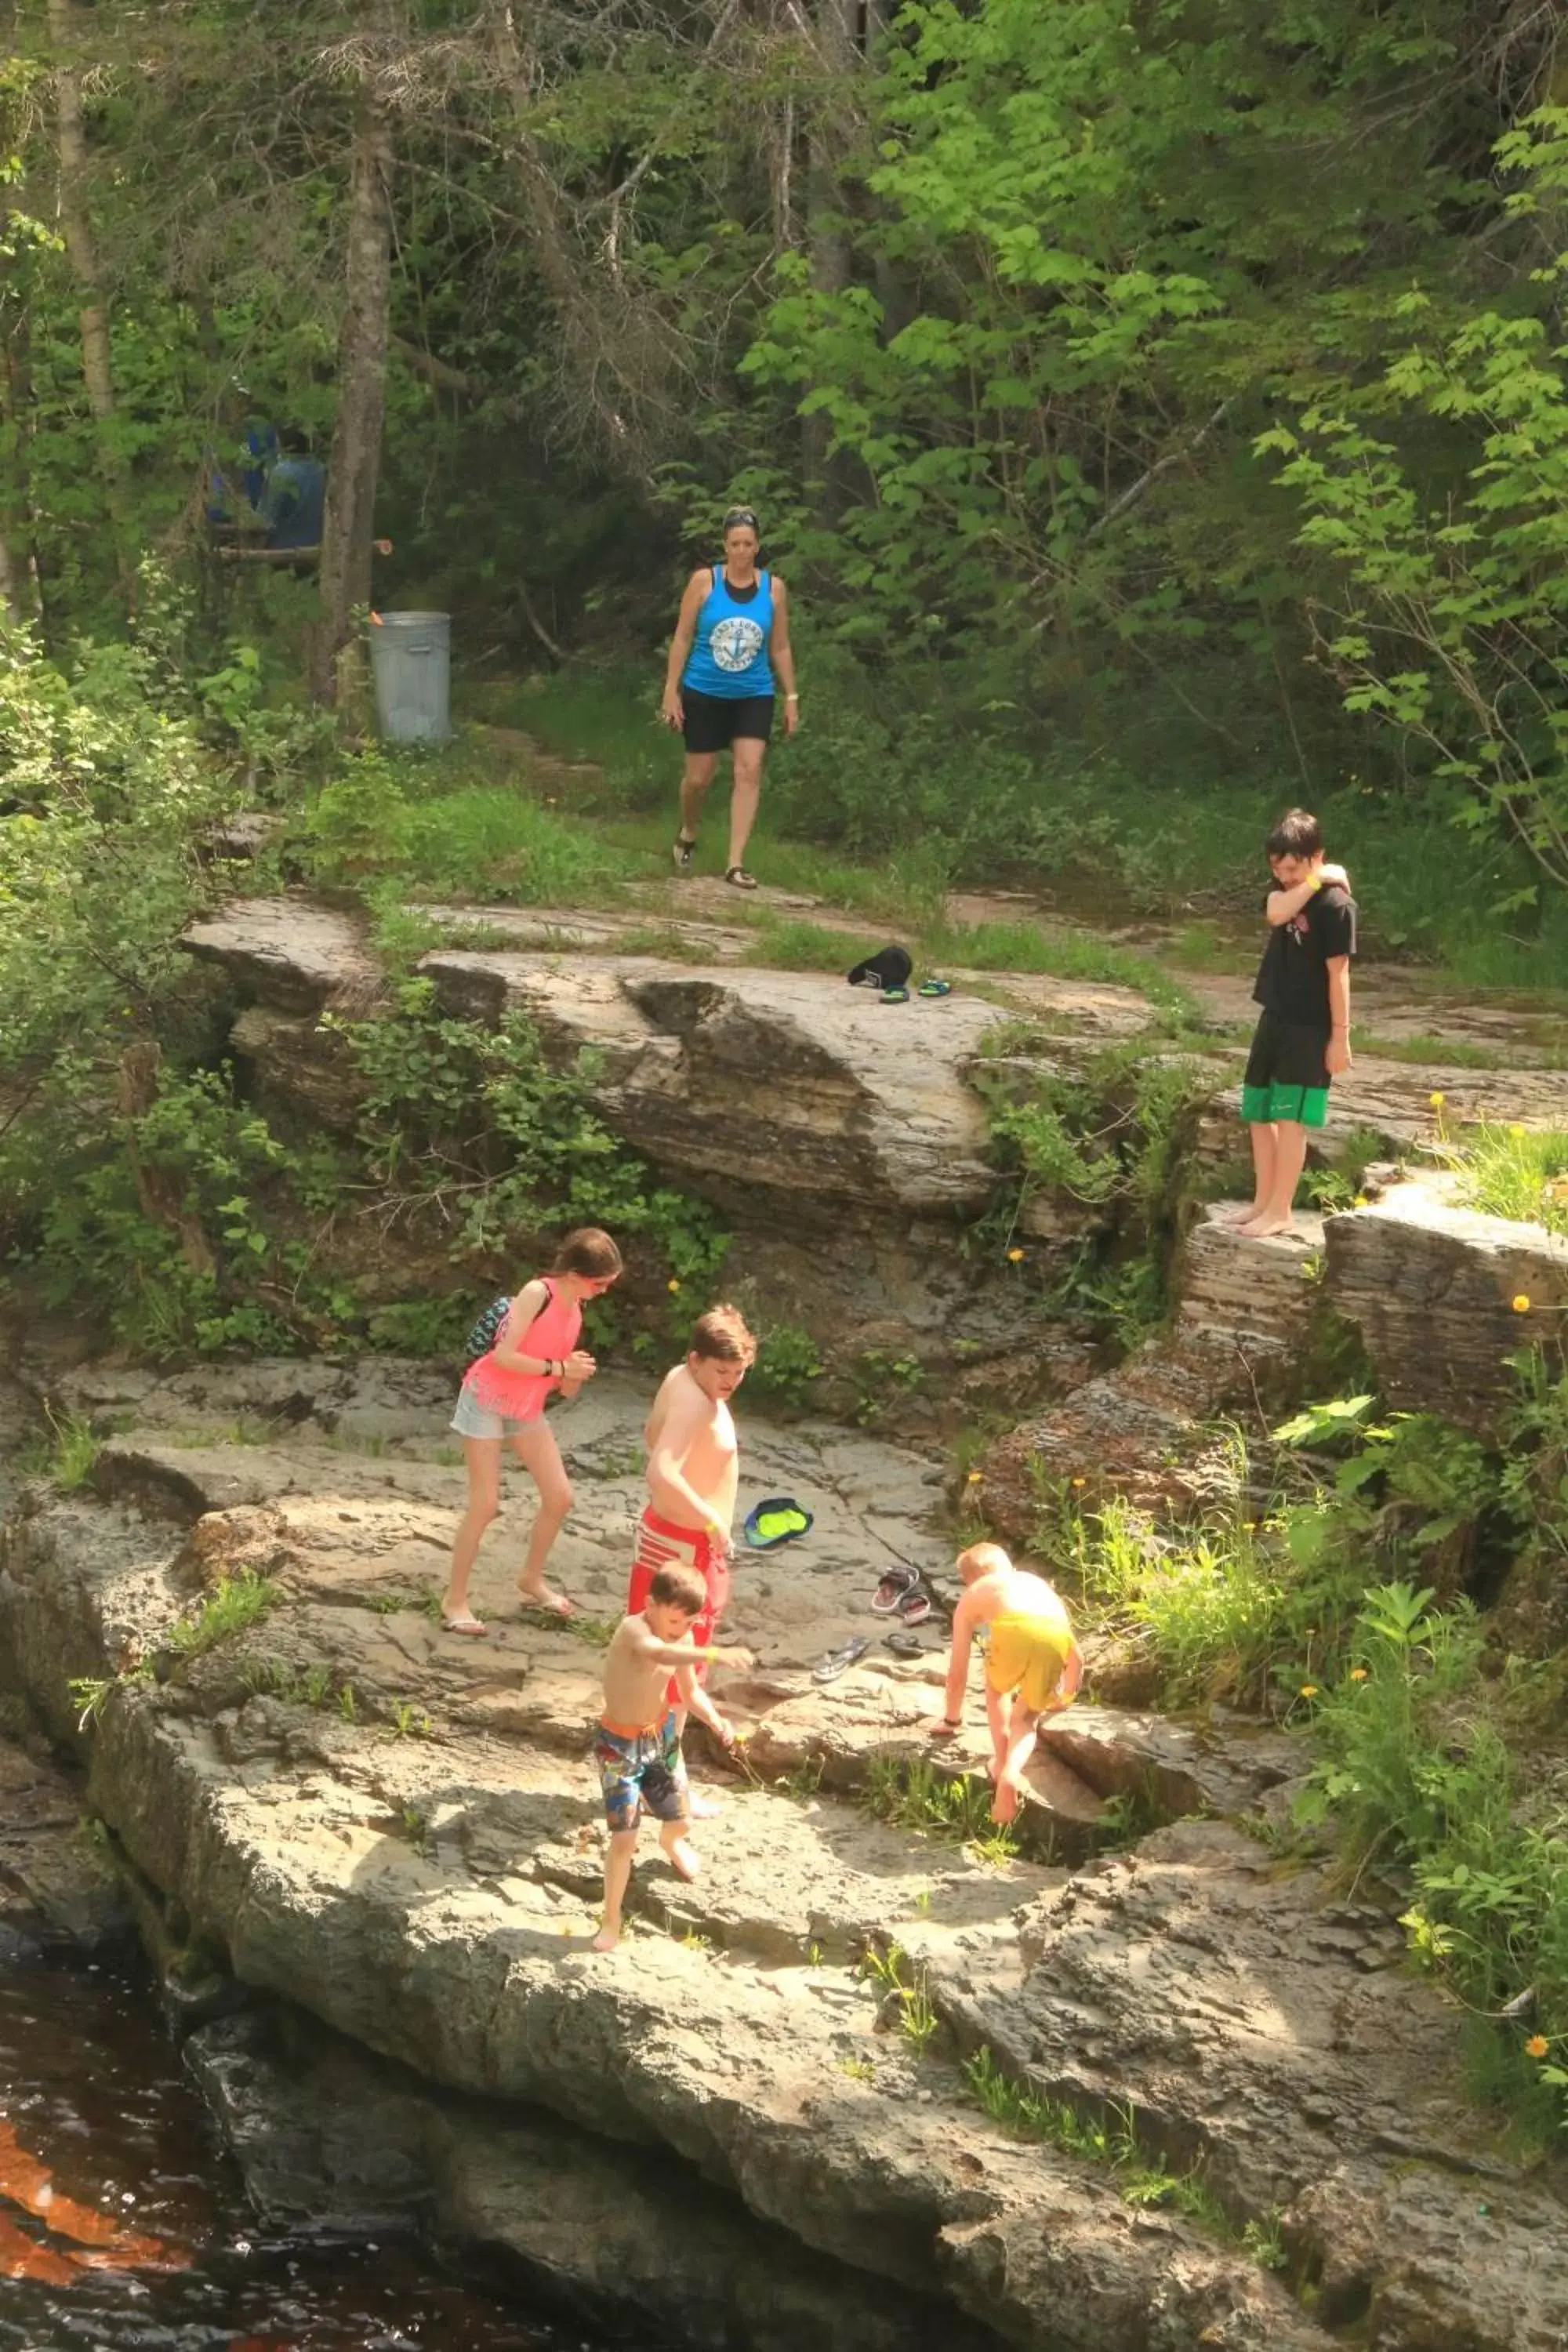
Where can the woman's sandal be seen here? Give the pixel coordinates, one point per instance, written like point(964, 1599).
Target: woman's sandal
point(682, 853)
point(897, 1582)
point(739, 879)
point(463, 1621)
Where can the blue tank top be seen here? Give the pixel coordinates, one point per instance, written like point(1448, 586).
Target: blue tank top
point(730, 653)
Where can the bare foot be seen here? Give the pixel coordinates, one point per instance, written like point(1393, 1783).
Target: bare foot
point(543, 1596)
point(606, 1940)
point(1005, 1805)
point(1237, 1213)
point(683, 1858)
point(703, 1809)
point(1259, 1229)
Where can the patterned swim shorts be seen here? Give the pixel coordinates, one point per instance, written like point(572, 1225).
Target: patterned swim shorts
point(641, 1771)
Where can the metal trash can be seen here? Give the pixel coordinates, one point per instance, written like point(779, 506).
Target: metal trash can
point(410, 657)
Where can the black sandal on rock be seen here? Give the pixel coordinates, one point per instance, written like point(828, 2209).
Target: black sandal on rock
point(683, 854)
point(739, 879)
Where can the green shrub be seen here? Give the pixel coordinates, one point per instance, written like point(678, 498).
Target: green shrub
point(1414, 1770)
point(788, 1362)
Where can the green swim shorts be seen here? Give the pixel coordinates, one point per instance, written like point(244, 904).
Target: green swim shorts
point(1286, 1076)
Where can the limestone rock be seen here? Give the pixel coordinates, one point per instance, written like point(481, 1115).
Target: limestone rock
point(403, 1832)
point(784, 1081)
point(1265, 2024)
point(1256, 1294)
point(329, 2136)
point(58, 1884)
point(1432, 1289)
point(289, 953)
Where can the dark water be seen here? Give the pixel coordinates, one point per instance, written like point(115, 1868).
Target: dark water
point(123, 2225)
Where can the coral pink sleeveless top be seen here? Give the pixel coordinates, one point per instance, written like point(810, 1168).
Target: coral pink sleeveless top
point(554, 1331)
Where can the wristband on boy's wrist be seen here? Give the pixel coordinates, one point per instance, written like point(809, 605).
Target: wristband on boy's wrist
point(792, 697)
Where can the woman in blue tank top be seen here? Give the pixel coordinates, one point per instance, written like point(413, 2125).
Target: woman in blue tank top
point(719, 691)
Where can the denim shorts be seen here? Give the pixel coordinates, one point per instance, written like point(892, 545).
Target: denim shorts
point(471, 1419)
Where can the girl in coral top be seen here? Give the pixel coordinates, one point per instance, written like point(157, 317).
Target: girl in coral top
point(502, 1399)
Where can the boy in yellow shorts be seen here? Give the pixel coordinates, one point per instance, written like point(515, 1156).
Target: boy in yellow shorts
point(1032, 1658)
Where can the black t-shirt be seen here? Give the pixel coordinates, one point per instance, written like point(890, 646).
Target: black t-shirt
point(1293, 979)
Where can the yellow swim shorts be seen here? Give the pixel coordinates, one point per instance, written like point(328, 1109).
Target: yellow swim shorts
point(1027, 1655)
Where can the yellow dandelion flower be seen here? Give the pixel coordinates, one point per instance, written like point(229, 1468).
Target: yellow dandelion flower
point(1361, 1201)
point(1080, 1482)
point(1536, 2046)
point(1516, 1128)
point(1015, 1257)
point(672, 1285)
point(1436, 1101)
point(974, 1477)
point(1308, 1690)
point(1358, 1673)
point(1521, 1303)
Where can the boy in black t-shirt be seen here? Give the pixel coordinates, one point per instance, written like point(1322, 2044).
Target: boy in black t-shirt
point(1303, 1037)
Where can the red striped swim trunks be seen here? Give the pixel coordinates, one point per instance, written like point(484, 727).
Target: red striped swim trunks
point(661, 1544)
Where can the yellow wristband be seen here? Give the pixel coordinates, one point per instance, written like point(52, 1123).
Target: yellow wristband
point(1316, 880)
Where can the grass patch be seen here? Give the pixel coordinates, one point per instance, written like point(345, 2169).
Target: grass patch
point(1109, 2137)
point(436, 824)
point(1508, 1170)
point(801, 946)
point(1058, 954)
point(1456, 1052)
point(916, 1795)
point(72, 1450)
point(905, 767)
point(597, 1632)
point(666, 941)
point(290, 1686)
point(907, 1991)
point(232, 1606)
point(404, 1721)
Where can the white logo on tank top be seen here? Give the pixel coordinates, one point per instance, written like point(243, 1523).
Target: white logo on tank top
point(736, 643)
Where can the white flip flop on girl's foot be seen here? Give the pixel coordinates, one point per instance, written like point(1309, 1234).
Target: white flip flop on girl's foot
point(548, 1603)
point(463, 1621)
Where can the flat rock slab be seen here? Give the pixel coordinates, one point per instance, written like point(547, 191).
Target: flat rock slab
point(1432, 1287)
point(403, 1833)
point(290, 952)
point(1254, 1293)
point(815, 1088)
point(1212, 1995)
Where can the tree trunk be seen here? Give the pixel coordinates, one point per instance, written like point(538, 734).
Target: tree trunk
point(18, 602)
point(164, 1197)
point(76, 227)
point(355, 466)
point(840, 27)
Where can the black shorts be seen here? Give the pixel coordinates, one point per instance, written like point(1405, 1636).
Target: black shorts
point(1286, 1076)
point(714, 721)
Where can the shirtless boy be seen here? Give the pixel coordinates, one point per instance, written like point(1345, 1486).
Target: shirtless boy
point(693, 1470)
point(1031, 1657)
point(638, 1748)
